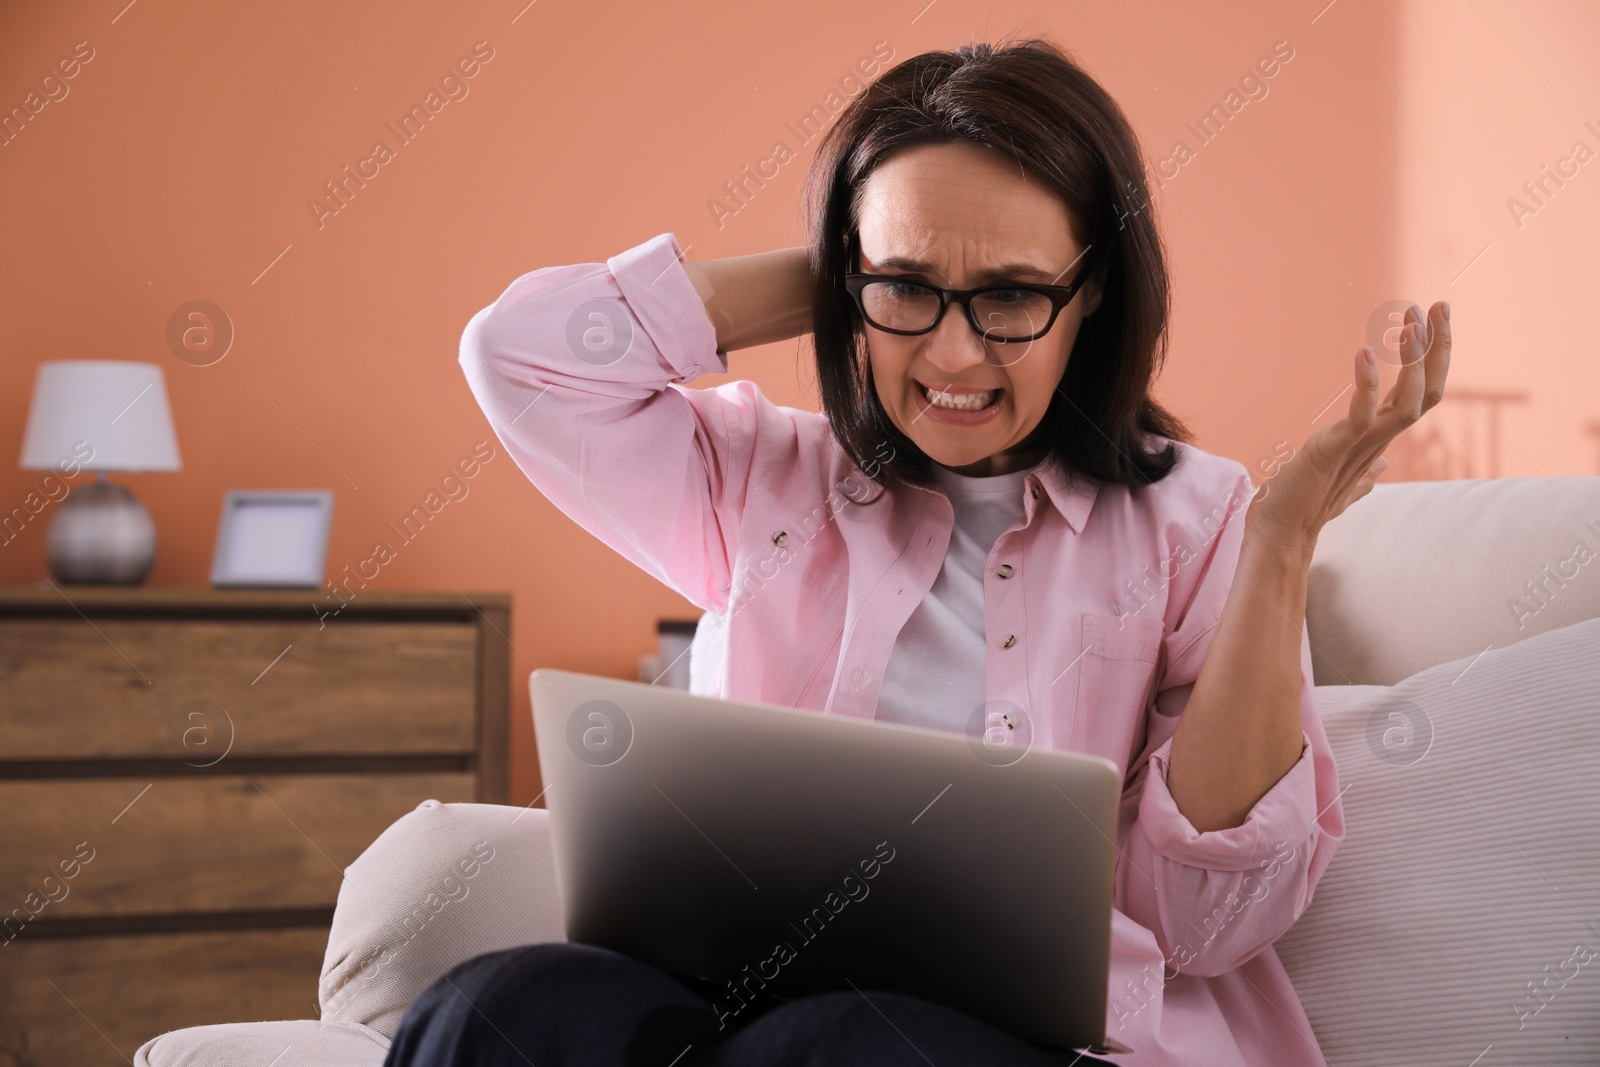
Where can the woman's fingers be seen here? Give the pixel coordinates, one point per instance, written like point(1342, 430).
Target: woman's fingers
point(1351, 445)
point(1406, 396)
point(1364, 401)
point(1348, 455)
point(1436, 365)
point(1425, 364)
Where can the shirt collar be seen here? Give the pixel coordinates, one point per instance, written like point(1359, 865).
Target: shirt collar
point(1072, 496)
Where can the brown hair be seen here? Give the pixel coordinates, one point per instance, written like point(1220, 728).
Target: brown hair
point(1030, 102)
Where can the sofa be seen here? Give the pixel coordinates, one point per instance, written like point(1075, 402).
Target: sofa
point(1456, 636)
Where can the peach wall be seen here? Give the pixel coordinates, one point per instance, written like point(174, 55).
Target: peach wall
point(181, 163)
point(1497, 95)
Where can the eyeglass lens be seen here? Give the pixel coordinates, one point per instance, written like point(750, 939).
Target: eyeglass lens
point(1004, 313)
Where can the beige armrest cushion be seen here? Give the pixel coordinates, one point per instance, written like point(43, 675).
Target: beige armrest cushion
point(445, 883)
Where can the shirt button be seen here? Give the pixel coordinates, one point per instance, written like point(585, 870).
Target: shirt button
point(780, 538)
point(1010, 640)
point(1005, 570)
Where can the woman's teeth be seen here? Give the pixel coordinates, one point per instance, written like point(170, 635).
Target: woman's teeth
point(960, 401)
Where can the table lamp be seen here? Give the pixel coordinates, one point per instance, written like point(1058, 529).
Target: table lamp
point(100, 415)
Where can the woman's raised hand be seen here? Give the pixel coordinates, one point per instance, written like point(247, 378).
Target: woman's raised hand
point(755, 299)
point(1339, 464)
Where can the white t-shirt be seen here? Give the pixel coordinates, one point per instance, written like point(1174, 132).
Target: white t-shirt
point(936, 673)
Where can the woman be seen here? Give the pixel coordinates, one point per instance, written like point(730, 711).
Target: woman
point(992, 521)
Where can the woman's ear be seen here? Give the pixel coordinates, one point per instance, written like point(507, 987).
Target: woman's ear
point(1092, 292)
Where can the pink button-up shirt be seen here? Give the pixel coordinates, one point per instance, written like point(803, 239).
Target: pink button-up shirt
point(807, 569)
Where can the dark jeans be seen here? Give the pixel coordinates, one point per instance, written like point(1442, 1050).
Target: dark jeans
point(560, 1004)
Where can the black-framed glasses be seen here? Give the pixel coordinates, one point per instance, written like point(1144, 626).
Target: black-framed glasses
point(1006, 313)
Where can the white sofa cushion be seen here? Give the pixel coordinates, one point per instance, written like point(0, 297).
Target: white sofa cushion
point(445, 883)
point(301, 1043)
point(1420, 573)
point(1462, 909)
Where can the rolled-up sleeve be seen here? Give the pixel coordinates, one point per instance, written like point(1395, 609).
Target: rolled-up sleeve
point(1217, 898)
point(579, 370)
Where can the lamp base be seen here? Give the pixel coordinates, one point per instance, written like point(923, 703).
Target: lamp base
point(101, 535)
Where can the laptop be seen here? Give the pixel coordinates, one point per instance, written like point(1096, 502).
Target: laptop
point(773, 850)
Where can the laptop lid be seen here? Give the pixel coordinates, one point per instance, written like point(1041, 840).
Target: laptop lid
point(772, 849)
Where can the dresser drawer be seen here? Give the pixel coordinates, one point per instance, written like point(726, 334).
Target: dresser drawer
point(194, 689)
point(91, 1001)
point(199, 844)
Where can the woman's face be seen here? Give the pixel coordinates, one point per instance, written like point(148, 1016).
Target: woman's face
point(961, 216)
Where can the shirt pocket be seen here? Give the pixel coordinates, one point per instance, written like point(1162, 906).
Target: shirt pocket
point(1116, 682)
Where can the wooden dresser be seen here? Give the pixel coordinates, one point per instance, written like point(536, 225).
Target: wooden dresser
point(184, 774)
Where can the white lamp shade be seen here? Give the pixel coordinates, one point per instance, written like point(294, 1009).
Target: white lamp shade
point(117, 408)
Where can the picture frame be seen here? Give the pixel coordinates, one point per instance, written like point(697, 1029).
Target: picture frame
point(272, 538)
